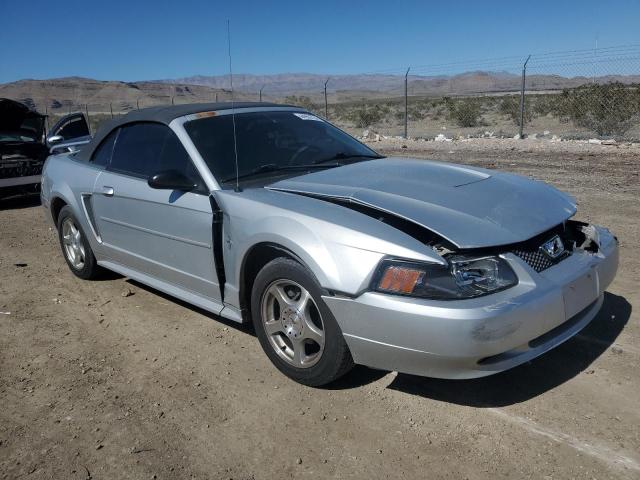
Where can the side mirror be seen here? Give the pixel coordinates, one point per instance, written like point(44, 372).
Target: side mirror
point(171, 180)
point(53, 139)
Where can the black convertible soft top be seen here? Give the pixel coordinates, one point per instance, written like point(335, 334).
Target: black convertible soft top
point(165, 114)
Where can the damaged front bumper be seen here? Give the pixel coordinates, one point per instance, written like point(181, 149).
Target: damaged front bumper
point(485, 335)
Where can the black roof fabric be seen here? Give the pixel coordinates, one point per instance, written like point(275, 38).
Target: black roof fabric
point(165, 114)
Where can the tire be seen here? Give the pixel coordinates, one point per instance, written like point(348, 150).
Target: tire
point(320, 364)
point(86, 268)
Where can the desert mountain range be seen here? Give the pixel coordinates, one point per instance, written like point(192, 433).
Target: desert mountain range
point(59, 94)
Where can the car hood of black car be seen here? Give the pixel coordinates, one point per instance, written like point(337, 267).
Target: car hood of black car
point(15, 115)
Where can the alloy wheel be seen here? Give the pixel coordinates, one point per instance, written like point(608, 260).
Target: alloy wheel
point(293, 323)
point(72, 242)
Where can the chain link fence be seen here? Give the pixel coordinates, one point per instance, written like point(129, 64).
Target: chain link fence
point(578, 94)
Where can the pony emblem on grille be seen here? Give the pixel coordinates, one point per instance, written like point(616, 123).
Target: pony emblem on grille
point(553, 248)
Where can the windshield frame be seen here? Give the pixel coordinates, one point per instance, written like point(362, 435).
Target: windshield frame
point(178, 125)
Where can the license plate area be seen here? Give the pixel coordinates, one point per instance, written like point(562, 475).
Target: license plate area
point(580, 293)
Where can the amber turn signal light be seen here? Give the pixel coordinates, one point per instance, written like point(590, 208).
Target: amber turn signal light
point(400, 279)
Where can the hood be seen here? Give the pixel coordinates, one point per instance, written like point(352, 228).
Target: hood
point(469, 207)
point(17, 117)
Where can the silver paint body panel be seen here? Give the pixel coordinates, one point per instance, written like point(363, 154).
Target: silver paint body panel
point(468, 206)
point(449, 339)
point(164, 239)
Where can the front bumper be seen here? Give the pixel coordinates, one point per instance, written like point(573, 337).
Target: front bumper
point(19, 181)
point(481, 336)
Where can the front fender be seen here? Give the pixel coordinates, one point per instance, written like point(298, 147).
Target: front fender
point(341, 247)
point(336, 266)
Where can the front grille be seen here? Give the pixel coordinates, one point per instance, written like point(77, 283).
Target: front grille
point(537, 259)
point(20, 168)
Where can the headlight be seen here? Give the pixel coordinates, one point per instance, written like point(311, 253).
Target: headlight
point(464, 277)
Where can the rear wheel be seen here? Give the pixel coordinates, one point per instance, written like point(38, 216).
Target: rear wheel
point(75, 246)
point(296, 329)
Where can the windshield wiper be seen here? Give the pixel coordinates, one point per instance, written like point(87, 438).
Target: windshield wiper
point(345, 156)
point(274, 167)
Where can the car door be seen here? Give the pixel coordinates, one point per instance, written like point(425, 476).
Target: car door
point(69, 134)
point(163, 234)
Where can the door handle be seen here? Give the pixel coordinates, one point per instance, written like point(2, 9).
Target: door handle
point(107, 191)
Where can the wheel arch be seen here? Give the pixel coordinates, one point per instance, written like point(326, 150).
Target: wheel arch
point(57, 204)
point(253, 261)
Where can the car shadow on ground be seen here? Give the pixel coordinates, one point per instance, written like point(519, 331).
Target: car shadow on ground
point(20, 201)
point(533, 378)
point(513, 386)
point(241, 327)
point(358, 377)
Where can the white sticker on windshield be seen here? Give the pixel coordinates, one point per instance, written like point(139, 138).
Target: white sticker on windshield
point(307, 116)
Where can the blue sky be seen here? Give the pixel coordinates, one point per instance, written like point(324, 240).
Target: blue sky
point(138, 40)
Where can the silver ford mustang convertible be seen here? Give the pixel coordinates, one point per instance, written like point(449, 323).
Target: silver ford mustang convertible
point(269, 214)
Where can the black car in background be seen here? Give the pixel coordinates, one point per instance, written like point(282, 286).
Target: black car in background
point(24, 145)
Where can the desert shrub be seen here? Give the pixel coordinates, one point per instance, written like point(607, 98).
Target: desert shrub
point(28, 102)
point(438, 108)
point(301, 101)
point(339, 111)
point(465, 112)
point(510, 106)
point(367, 115)
point(608, 109)
point(544, 105)
point(415, 112)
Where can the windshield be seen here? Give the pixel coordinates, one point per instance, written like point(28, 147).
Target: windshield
point(272, 142)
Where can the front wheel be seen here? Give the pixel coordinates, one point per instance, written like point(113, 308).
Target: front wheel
point(296, 329)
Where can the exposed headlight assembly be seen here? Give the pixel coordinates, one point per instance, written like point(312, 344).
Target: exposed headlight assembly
point(464, 277)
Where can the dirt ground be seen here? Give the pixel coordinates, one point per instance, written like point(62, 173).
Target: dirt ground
point(97, 385)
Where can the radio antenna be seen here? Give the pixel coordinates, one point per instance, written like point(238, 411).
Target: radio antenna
point(233, 110)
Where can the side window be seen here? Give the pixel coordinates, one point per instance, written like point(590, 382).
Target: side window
point(138, 149)
point(102, 155)
point(175, 157)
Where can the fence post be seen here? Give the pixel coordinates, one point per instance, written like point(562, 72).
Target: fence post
point(524, 75)
point(406, 104)
point(326, 105)
point(111, 108)
point(261, 88)
point(137, 104)
point(46, 117)
point(216, 97)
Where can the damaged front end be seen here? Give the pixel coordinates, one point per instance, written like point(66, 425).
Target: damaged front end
point(551, 247)
point(472, 273)
point(22, 147)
